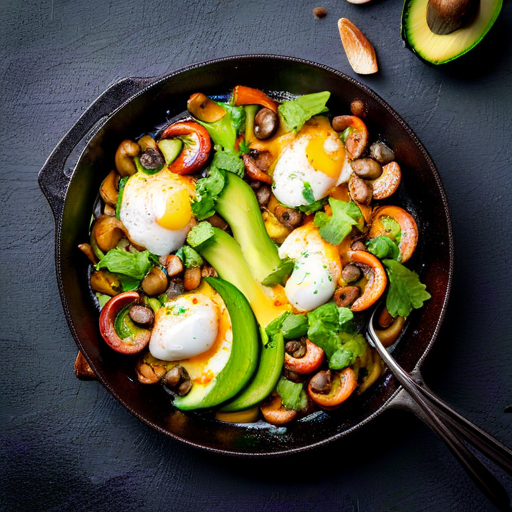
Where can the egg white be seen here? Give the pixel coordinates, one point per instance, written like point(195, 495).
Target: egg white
point(316, 271)
point(143, 195)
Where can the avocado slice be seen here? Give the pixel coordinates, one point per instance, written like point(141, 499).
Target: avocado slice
point(242, 359)
point(439, 49)
point(269, 371)
point(224, 254)
point(239, 207)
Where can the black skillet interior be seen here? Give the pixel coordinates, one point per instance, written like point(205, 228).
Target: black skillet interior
point(420, 193)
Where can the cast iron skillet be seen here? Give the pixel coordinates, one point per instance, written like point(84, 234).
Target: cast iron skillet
point(133, 106)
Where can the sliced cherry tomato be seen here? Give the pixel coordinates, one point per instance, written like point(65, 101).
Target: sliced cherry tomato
point(196, 150)
point(132, 344)
point(307, 364)
point(343, 385)
point(377, 280)
point(248, 96)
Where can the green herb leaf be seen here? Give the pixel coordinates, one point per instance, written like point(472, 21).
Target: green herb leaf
point(335, 228)
point(244, 147)
point(192, 259)
point(292, 394)
point(307, 193)
point(384, 248)
point(199, 234)
point(224, 132)
point(207, 192)
point(102, 298)
point(406, 292)
point(294, 326)
point(276, 326)
point(308, 209)
point(229, 161)
point(296, 112)
point(130, 268)
point(279, 275)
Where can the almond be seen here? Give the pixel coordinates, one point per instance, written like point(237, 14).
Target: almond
point(360, 52)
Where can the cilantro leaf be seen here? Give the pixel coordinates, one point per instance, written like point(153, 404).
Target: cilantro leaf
point(296, 112)
point(307, 193)
point(406, 292)
point(229, 161)
point(207, 192)
point(308, 209)
point(292, 394)
point(335, 228)
point(199, 234)
point(384, 248)
point(244, 147)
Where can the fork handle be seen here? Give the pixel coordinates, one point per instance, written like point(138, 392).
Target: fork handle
point(436, 419)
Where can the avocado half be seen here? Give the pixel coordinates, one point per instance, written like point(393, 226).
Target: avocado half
point(439, 49)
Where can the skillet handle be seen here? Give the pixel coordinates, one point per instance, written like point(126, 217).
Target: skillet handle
point(53, 177)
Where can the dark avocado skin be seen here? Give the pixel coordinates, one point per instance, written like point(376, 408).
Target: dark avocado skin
point(244, 352)
point(464, 49)
point(269, 371)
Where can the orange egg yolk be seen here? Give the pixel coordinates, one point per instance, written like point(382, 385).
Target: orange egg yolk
point(177, 211)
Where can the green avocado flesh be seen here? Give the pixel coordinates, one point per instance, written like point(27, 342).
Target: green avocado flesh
point(439, 49)
point(238, 206)
point(224, 254)
point(242, 359)
point(269, 371)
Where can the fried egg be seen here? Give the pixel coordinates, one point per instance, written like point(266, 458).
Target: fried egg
point(194, 330)
point(316, 271)
point(156, 210)
point(313, 161)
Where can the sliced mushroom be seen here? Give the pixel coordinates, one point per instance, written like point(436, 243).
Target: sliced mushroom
point(155, 282)
point(107, 231)
point(345, 296)
point(125, 154)
point(265, 124)
point(178, 379)
point(147, 142)
point(390, 335)
point(351, 273)
point(142, 315)
point(366, 168)
point(360, 191)
point(152, 159)
point(288, 217)
point(382, 153)
point(204, 108)
point(192, 278)
point(108, 189)
point(105, 282)
point(254, 172)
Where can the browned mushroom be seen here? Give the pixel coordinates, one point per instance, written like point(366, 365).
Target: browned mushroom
point(105, 282)
point(125, 154)
point(108, 189)
point(265, 123)
point(155, 282)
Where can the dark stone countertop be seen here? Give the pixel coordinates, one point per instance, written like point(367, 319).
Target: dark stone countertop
point(67, 445)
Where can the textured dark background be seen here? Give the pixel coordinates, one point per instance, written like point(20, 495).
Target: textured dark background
point(67, 445)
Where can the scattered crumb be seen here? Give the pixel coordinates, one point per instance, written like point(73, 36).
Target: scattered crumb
point(320, 12)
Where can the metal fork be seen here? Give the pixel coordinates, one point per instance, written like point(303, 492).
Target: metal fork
point(452, 428)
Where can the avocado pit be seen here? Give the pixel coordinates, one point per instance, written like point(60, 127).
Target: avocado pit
point(447, 16)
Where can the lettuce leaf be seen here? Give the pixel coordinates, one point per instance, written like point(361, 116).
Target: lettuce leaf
point(296, 112)
point(335, 228)
point(129, 267)
point(384, 248)
point(228, 161)
point(294, 327)
point(292, 394)
point(406, 292)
